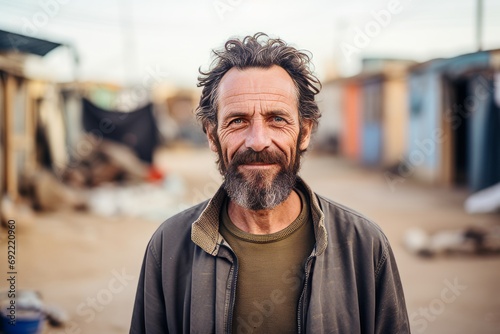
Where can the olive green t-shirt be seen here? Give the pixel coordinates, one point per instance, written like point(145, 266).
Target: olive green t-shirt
point(270, 274)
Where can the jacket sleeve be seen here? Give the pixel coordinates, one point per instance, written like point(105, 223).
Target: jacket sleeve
point(149, 315)
point(391, 315)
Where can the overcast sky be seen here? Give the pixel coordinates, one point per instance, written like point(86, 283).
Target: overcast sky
point(127, 41)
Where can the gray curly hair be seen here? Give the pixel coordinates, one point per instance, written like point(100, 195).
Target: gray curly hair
point(259, 51)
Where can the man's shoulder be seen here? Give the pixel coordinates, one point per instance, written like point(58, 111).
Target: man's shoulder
point(344, 220)
point(177, 228)
point(183, 219)
point(355, 234)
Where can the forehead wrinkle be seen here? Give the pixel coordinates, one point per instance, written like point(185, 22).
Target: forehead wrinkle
point(266, 101)
point(262, 105)
point(226, 89)
point(243, 100)
point(258, 96)
point(261, 90)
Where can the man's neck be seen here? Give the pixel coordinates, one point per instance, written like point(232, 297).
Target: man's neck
point(266, 221)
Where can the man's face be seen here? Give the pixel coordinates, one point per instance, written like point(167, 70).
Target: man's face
point(259, 136)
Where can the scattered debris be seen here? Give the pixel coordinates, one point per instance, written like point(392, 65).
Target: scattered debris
point(484, 201)
point(472, 241)
point(109, 179)
point(29, 313)
point(50, 194)
point(21, 210)
point(105, 162)
point(156, 201)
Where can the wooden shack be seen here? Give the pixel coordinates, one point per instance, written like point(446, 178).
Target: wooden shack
point(20, 103)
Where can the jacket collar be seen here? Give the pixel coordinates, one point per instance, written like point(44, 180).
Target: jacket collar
point(205, 230)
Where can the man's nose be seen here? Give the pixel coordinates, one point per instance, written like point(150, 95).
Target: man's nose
point(257, 137)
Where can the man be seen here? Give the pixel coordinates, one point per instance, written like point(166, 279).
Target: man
point(266, 254)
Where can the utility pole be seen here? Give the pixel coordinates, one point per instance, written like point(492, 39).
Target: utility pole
point(129, 51)
point(479, 25)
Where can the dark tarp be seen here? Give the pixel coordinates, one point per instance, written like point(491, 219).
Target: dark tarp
point(10, 41)
point(136, 129)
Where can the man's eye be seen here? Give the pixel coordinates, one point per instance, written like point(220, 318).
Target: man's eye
point(278, 119)
point(236, 121)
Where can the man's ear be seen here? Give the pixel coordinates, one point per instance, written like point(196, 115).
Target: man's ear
point(210, 136)
point(307, 127)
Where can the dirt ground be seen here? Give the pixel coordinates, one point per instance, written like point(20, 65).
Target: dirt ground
point(89, 265)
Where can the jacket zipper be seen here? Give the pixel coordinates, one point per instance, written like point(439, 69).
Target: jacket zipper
point(232, 297)
point(301, 306)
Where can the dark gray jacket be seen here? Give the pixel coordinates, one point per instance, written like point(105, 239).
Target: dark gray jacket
point(188, 277)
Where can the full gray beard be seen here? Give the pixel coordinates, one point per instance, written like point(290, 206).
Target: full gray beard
point(254, 192)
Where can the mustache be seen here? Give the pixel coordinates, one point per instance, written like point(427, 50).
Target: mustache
point(250, 156)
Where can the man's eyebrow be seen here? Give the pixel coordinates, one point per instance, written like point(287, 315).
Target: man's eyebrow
point(275, 112)
point(235, 114)
point(271, 112)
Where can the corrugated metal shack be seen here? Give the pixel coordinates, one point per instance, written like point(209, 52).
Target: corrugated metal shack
point(454, 121)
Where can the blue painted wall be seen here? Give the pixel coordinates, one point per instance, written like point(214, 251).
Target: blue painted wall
point(371, 152)
point(427, 116)
point(425, 92)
